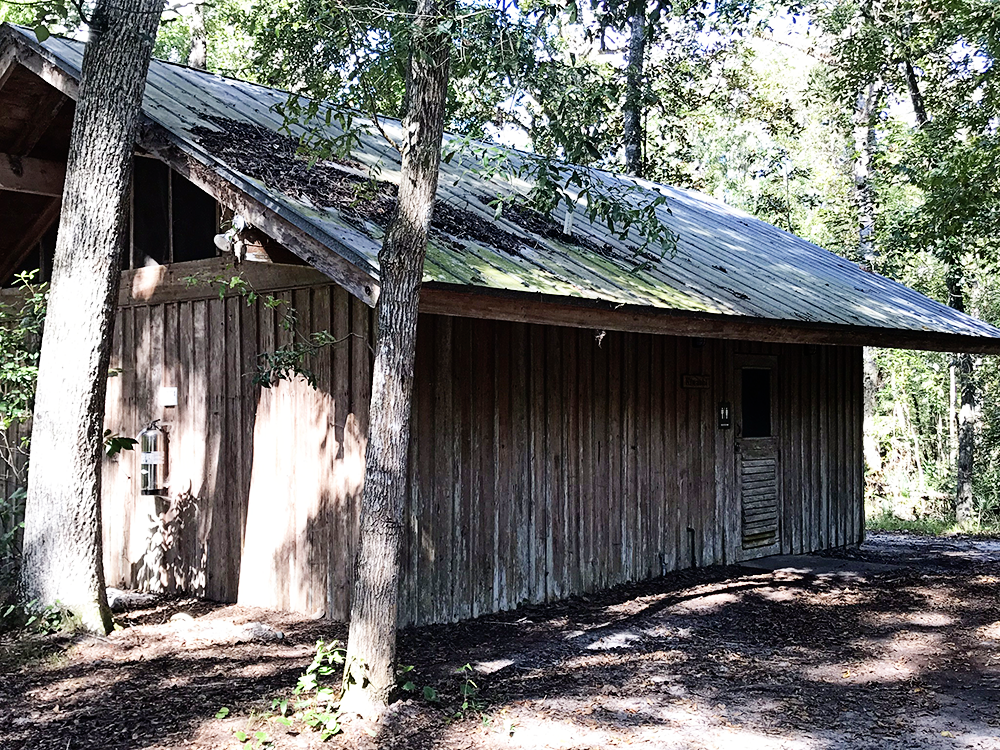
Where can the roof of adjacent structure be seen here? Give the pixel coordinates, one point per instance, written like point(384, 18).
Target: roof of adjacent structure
point(726, 263)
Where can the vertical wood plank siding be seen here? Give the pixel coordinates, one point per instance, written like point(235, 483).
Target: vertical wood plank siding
point(545, 461)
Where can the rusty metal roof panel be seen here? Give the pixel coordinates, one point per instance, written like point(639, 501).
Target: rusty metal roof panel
point(726, 262)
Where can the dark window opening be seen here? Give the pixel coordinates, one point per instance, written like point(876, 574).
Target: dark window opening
point(40, 258)
point(172, 220)
point(150, 213)
point(194, 221)
point(756, 399)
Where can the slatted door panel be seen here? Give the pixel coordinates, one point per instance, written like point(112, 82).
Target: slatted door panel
point(758, 488)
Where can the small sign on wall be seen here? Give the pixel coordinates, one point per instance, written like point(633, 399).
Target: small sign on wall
point(695, 381)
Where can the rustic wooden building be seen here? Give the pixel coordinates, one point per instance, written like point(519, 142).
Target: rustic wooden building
point(585, 414)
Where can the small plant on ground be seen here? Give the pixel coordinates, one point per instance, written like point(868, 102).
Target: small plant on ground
point(314, 698)
point(404, 678)
point(255, 741)
point(252, 740)
point(34, 620)
point(469, 692)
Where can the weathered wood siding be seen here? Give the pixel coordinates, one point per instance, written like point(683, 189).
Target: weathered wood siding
point(551, 461)
point(263, 482)
point(546, 461)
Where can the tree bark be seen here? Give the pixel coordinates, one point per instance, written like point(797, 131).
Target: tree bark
point(916, 97)
point(62, 530)
point(633, 131)
point(369, 671)
point(198, 55)
point(865, 113)
point(966, 418)
point(864, 195)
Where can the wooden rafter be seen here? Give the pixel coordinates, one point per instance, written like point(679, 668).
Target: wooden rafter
point(23, 174)
point(49, 72)
point(43, 113)
point(8, 62)
point(29, 239)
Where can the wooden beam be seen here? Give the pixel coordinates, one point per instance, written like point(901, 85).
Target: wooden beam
point(520, 307)
point(161, 144)
point(195, 279)
point(32, 236)
point(48, 71)
point(8, 60)
point(42, 115)
point(23, 174)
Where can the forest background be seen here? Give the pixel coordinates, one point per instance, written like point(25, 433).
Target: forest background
point(869, 128)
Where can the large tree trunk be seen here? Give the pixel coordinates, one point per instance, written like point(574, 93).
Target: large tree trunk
point(62, 531)
point(633, 131)
point(369, 672)
point(964, 365)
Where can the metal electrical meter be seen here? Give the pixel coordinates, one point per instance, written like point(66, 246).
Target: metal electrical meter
point(152, 459)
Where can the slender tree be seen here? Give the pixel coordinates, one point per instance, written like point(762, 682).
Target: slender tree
point(369, 672)
point(865, 116)
point(62, 531)
point(963, 364)
point(634, 135)
point(198, 56)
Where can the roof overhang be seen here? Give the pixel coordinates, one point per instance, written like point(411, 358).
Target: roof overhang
point(524, 307)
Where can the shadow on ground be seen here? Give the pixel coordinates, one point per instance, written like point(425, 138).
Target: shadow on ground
point(899, 657)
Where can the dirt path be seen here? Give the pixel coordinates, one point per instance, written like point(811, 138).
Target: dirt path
point(905, 656)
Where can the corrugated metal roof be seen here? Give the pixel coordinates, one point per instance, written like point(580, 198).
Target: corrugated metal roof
point(726, 263)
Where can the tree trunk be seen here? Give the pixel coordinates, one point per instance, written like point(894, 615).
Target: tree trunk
point(866, 110)
point(916, 98)
point(62, 531)
point(369, 672)
point(964, 466)
point(633, 130)
point(966, 417)
point(198, 55)
point(864, 151)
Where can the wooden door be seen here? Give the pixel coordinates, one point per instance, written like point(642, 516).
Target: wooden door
point(758, 485)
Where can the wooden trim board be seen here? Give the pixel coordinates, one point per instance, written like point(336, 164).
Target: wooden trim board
point(579, 313)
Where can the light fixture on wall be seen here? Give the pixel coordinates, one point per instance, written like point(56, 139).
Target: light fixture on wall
point(725, 415)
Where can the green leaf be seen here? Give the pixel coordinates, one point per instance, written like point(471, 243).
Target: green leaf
point(222, 713)
point(430, 693)
point(42, 33)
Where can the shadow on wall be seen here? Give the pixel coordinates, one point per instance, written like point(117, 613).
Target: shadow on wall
point(265, 482)
point(305, 491)
point(191, 539)
point(172, 521)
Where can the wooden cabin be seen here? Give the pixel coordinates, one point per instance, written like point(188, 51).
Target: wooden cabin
point(586, 413)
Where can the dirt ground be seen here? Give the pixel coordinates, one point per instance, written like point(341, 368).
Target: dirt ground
point(895, 645)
